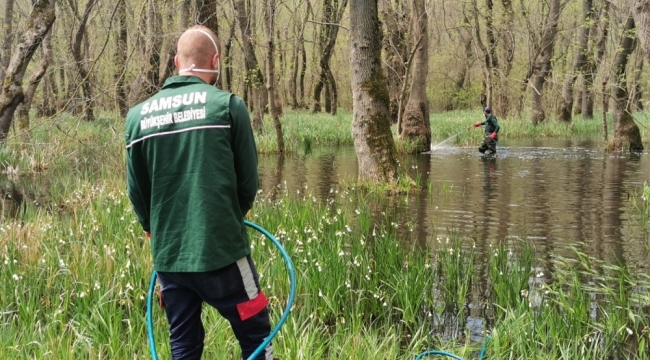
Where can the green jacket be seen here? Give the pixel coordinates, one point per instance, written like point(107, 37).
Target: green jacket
point(192, 174)
point(491, 125)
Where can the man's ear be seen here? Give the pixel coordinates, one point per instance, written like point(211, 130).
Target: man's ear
point(176, 62)
point(215, 61)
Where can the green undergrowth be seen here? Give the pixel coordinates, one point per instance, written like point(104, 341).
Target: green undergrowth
point(75, 277)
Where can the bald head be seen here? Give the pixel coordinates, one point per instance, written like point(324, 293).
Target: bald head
point(197, 46)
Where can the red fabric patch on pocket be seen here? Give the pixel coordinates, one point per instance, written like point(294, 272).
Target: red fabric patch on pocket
point(250, 308)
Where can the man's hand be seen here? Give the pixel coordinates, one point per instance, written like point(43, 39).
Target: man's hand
point(477, 124)
point(147, 234)
point(492, 136)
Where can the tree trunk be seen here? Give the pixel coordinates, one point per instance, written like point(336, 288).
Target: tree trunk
point(487, 59)
point(152, 54)
point(334, 93)
point(207, 16)
point(169, 44)
point(626, 133)
point(293, 75)
point(332, 15)
point(637, 104)
point(120, 56)
point(373, 140)
point(579, 62)
point(269, 17)
point(303, 73)
point(22, 112)
point(396, 21)
point(227, 60)
point(185, 14)
point(254, 76)
point(641, 13)
point(8, 39)
point(593, 63)
point(501, 84)
point(86, 85)
point(415, 125)
point(542, 64)
point(40, 21)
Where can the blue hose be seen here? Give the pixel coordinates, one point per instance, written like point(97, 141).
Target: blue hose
point(450, 355)
point(438, 352)
point(283, 319)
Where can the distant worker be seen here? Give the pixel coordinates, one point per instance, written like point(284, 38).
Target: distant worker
point(491, 132)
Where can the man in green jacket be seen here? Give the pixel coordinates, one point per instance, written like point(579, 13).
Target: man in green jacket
point(192, 176)
point(491, 132)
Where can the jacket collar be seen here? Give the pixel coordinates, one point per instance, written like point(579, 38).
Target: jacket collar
point(182, 80)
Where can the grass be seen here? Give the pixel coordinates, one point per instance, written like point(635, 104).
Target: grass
point(76, 268)
point(74, 281)
point(304, 131)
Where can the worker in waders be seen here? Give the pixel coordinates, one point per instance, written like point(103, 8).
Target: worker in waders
point(491, 132)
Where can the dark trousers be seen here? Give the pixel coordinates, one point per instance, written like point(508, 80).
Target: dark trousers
point(488, 145)
point(234, 291)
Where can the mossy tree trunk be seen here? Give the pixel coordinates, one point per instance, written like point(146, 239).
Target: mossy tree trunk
point(373, 140)
point(626, 133)
point(415, 125)
point(40, 21)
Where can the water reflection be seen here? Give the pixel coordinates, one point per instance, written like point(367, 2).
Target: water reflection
point(551, 193)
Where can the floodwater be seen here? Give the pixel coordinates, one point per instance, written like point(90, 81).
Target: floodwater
point(551, 193)
point(554, 193)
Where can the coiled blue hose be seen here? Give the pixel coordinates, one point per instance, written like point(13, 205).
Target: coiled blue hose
point(274, 332)
point(450, 355)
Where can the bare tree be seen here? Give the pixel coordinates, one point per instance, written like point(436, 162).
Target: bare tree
point(254, 77)
point(120, 57)
point(626, 132)
point(86, 85)
point(486, 52)
point(296, 65)
point(153, 45)
point(641, 13)
point(373, 140)
point(227, 58)
point(8, 38)
point(396, 20)
point(637, 95)
point(269, 15)
point(40, 20)
point(507, 39)
point(415, 125)
point(207, 16)
point(593, 62)
point(22, 112)
point(542, 65)
point(579, 63)
point(329, 29)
